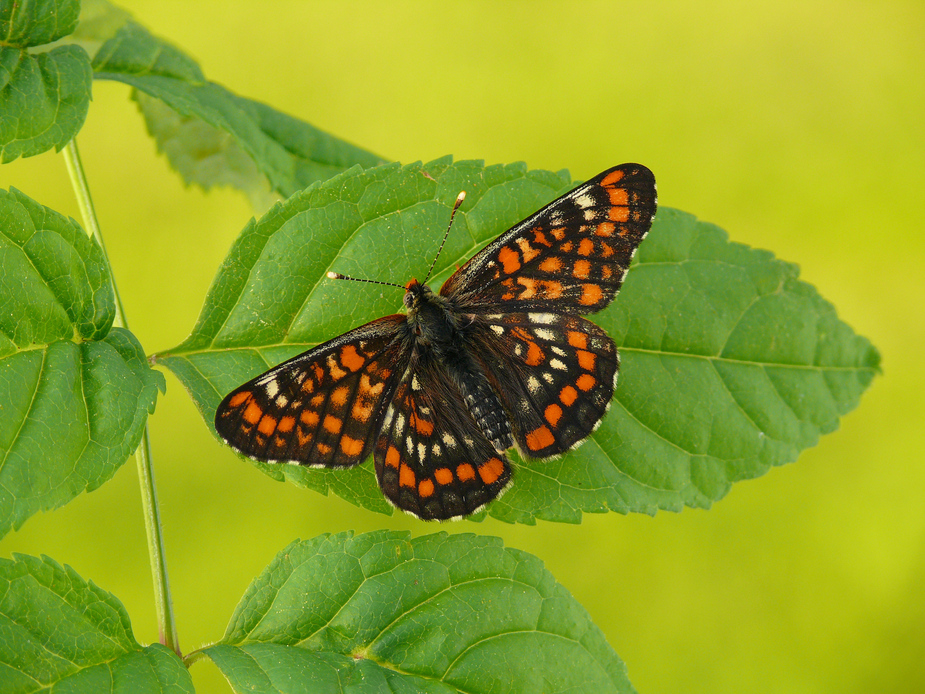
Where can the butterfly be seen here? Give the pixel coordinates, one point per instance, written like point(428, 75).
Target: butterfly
point(499, 357)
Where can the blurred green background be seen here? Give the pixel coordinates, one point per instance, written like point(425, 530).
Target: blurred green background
point(796, 126)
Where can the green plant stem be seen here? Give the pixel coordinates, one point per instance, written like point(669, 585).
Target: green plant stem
point(163, 602)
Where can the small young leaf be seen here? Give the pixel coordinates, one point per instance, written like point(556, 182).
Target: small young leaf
point(212, 136)
point(439, 613)
point(74, 393)
point(44, 97)
point(730, 364)
point(63, 633)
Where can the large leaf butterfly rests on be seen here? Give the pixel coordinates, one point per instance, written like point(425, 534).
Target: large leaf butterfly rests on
point(500, 357)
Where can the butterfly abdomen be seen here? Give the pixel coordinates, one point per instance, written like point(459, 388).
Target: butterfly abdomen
point(485, 408)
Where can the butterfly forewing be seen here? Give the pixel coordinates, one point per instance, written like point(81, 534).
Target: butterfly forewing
point(431, 457)
point(571, 256)
point(321, 407)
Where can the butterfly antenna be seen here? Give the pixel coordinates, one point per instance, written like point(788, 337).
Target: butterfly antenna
point(459, 201)
point(338, 276)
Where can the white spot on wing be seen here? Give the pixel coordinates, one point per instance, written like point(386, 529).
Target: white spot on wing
point(557, 365)
point(542, 318)
point(282, 401)
point(584, 201)
point(544, 334)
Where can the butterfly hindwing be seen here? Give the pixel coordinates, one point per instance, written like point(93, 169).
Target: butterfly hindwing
point(555, 375)
point(323, 407)
point(431, 458)
point(570, 256)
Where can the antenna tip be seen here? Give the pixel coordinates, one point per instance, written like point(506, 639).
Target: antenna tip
point(335, 276)
point(460, 197)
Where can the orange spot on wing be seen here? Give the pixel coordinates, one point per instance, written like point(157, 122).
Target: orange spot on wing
point(510, 260)
point(568, 395)
point(528, 251)
point(540, 438)
point(585, 246)
point(239, 398)
point(605, 229)
point(577, 339)
point(339, 396)
point(406, 476)
point(612, 178)
point(540, 238)
point(491, 470)
point(535, 355)
point(553, 414)
point(552, 290)
point(618, 196)
point(619, 214)
point(351, 447)
point(422, 426)
point(350, 358)
point(392, 457)
point(443, 475)
point(586, 382)
point(465, 472)
point(305, 437)
point(361, 411)
point(267, 425)
point(586, 360)
point(333, 424)
point(309, 417)
point(529, 287)
point(581, 270)
point(285, 424)
point(426, 488)
point(334, 369)
point(323, 448)
point(591, 294)
point(319, 372)
point(308, 385)
point(551, 265)
point(252, 413)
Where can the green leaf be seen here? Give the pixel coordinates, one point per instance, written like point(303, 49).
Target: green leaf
point(74, 393)
point(439, 613)
point(44, 97)
point(730, 364)
point(61, 632)
point(212, 136)
point(25, 24)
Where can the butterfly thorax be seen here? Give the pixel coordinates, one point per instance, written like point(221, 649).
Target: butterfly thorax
point(438, 332)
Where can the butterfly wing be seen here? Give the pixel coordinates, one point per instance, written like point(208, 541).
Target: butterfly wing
point(570, 256)
point(432, 460)
point(321, 408)
point(555, 376)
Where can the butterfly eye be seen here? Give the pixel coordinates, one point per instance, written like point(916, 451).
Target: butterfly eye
point(409, 300)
